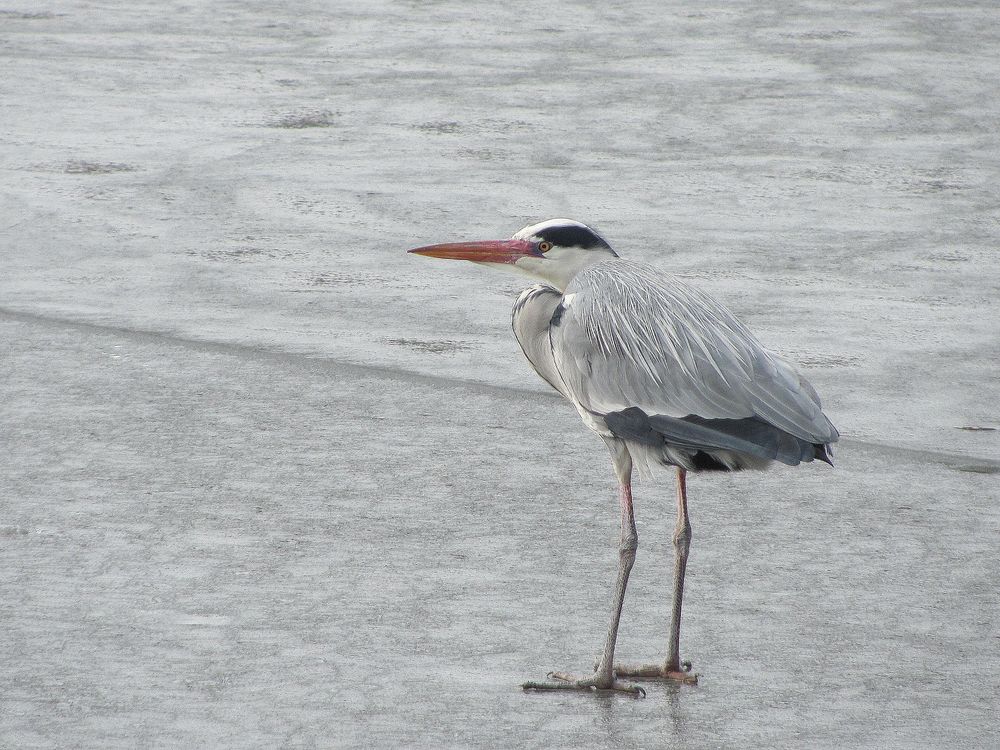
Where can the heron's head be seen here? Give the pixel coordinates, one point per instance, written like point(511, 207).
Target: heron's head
point(554, 250)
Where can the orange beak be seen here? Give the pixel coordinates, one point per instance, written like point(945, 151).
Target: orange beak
point(485, 251)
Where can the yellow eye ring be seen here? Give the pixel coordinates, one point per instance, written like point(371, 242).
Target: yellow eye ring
point(544, 246)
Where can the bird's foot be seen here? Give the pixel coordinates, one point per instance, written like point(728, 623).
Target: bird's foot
point(680, 674)
point(564, 681)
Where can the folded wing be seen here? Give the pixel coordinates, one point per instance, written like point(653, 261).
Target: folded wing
point(628, 338)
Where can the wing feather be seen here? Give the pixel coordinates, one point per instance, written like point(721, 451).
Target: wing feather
point(630, 335)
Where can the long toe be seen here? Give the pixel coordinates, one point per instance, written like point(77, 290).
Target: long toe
point(564, 681)
point(657, 672)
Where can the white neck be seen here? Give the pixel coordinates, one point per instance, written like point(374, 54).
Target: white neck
point(561, 264)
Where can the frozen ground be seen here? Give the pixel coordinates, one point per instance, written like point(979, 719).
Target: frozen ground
point(266, 481)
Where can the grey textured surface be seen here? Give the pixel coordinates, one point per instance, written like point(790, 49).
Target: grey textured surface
point(266, 481)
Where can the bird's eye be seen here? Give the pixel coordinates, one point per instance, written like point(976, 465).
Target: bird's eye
point(544, 246)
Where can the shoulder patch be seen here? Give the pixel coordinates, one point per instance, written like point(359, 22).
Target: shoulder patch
point(557, 315)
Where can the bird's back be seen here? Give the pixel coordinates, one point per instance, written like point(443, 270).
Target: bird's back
point(647, 358)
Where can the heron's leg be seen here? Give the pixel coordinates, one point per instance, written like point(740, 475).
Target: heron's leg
point(627, 546)
point(682, 545)
point(604, 676)
point(673, 668)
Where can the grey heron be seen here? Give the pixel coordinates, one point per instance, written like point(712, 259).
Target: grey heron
point(665, 375)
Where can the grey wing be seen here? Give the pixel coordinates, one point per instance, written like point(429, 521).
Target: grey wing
point(632, 338)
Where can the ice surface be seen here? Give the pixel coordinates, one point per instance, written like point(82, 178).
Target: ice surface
point(266, 480)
